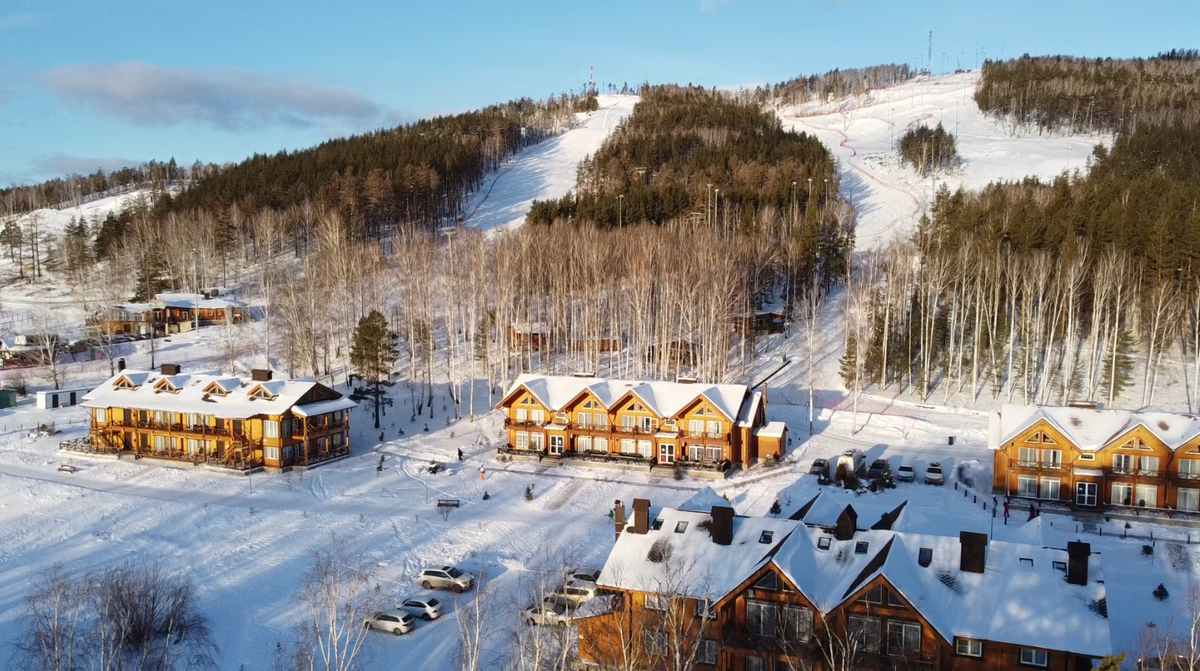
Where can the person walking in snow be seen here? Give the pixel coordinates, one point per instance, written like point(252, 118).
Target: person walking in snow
point(1006, 511)
point(481, 472)
point(460, 454)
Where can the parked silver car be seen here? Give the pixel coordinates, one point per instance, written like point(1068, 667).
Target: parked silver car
point(576, 591)
point(933, 474)
point(446, 577)
point(548, 613)
point(424, 607)
point(397, 621)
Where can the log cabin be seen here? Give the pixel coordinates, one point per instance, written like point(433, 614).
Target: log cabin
point(761, 594)
point(1094, 458)
point(166, 313)
point(219, 420)
point(692, 425)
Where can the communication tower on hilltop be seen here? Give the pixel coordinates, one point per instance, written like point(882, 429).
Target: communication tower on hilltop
point(929, 70)
point(591, 79)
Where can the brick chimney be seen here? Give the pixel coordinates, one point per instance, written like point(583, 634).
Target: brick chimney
point(641, 516)
point(619, 517)
point(974, 551)
point(847, 524)
point(1077, 562)
point(722, 525)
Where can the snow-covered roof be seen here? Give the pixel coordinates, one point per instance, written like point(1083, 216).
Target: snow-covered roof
point(188, 301)
point(703, 501)
point(186, 393)
point(665, 399)
point(1090, 429)
point(746, 416)
point(772, 430)
point(1021, 598)
point(688, 562)
point(322, 407)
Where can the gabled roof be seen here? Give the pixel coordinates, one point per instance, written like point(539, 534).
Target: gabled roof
point(1026, 603)
point(193, 395)
point(189, 301)
point(1091, 429)
point(664, 399)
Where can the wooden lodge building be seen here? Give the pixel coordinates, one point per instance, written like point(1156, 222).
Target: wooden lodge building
point(738, 593)
point(167, 313)
point(220, 420)
point(1096, 458)
point(690, 425)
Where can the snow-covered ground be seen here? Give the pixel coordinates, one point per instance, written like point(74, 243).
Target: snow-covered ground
point(889, 197)
point(545, 170)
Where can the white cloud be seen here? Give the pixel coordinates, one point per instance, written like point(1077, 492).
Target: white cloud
point(227, 98)
point(61, 164)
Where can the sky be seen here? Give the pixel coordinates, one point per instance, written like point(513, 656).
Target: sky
point(91, 83)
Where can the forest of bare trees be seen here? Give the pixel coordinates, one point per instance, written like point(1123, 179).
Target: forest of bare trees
point(835, 84)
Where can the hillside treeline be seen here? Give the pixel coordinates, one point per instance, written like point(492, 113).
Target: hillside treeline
point(698, 158)
point(417, 175)
point(927, 149)
point(835, 84)
point(1081, 95)
point(77, 189)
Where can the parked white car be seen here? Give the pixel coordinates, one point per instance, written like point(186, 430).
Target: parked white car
point(933, 474)
point(424, 607)
point(397, 621)
point(582, 574)
point(906, 473)
point(576, 591)
point(446, 577)
point(548, 613)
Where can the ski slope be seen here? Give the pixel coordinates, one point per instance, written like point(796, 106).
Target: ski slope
point(890, 198)
point(545, 170)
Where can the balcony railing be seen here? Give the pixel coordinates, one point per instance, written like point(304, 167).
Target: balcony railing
point(1148, 473)
point(1025, 463)
point(1122, 470)
point(519, 423)
point(1053, 465)
point(1189, 476)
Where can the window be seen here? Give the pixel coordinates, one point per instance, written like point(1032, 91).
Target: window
point(865, 630)
point(1047, 439)
point(627, 446)
point(824, 542)
point(160, 443)
point(646, 424)
point(522, 441)
point(600, 445)
point(101, 415)
point(287, 452)
point(766, 537)
point(714, 452)
point(861, 547)
point(270, 429)
point(894, 599)
point(708, 651)
point(695, 427)
point(904, 638)
point(583, 444)
point(1028, 456)
point(1122, 494)
point(873, 595)
point(757, 664)
point(1034, 657)
point(797, 623)
point(272, 453)
point(657, 602)
point(600, 420)
point(1059, 566)
point(1189, 469)
point(1087, 456)
point(338, 439)
point(1051, 458)
point(702, 610)
point(537, 416)
point(695, 452)
point(1147, 496)
point(1027, 486)
point(968, 647)
point(1026, 561)
point(1147, 465)
point(760, 618)
point(585, 420)
point(656, 525)
point(1122, 463)
point(645, 448)
point(627, 422)
point(1189, 500)
point(656, 643)
point(769, 581)
point(714, 429)
point(925, 556)
point(537, 442)
point(193, 446)
point(1049, 488)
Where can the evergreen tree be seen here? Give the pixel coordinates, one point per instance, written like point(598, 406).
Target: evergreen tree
point(372, 355)
point(849, 364)
point(1119, 373)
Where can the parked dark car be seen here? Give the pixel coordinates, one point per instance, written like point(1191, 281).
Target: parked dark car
point(819, 467)
point(878, 468)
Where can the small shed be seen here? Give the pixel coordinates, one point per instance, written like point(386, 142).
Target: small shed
point(772, 440)
point(58, 398)
point(8, 398)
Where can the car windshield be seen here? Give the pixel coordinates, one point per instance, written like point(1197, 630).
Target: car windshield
point(432, 602)
point(454, 573)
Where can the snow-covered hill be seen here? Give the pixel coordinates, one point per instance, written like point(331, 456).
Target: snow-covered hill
point(889, 197)
point(545, 170)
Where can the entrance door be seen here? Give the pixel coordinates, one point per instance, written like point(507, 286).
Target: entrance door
point(1085, 494)
point(54, 400)
point(556, 444)
point(666, 453)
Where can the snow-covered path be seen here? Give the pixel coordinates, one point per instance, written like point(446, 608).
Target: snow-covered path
point(890, 198)
point(545, 170)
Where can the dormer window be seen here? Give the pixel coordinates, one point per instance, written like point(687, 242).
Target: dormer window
point(124, 383)
point(681, 526)
point(260, 392)
point(656, 524)
point(861, 547)
point(824, 542)
point(165, 385)
point(766, 537)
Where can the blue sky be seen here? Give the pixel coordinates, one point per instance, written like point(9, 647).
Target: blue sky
point(86, 83)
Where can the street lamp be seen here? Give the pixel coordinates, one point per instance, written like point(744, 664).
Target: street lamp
point(196, 289)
